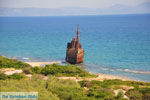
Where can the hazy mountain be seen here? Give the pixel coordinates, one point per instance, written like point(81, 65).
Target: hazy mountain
point(116, 9)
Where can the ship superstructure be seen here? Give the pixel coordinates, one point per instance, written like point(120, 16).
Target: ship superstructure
point(75, 53)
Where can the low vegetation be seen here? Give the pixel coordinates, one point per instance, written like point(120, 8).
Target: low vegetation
point(68, 70)
point(56, 89)
point(53, 88)
point(115, 84)
point(33, 85)
point(12, 63)
point(13, 76)
point(59, 70)
point(105, 89)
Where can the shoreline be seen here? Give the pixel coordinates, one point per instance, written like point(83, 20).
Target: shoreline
point(43, 63)
point(112, 77)
point(100, 77)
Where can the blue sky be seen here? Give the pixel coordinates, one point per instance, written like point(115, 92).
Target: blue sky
point(68, 3)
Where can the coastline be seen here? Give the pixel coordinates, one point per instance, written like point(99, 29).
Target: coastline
point(43, 63)
point(101, 76)
point(67, 78)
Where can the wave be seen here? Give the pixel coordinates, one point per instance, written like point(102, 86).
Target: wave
point(126, 70)
point(25, 58)
point(116, 69)
point(136, 71)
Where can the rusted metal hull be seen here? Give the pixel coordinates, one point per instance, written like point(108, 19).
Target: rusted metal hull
point(75, 53)
point(75, 56)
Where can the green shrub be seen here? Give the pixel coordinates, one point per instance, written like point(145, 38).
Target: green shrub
point(36, 84)
point(52, 89)
point(12, 63)
point(139, 93)
point(96, 87)
point(120, 94)
point(27, 70)
point(56, 89)
point(134, 95)
point(2, 76)
point(145, 92)
point(116, 83)
point(68, 70)
point(122, 99)
point(102, 93)
point(16, 76)
point(146, 96)
point(36, 69)
point(83, 83)
point(66, 89)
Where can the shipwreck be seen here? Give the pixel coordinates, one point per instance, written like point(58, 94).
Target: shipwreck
point(74, 52)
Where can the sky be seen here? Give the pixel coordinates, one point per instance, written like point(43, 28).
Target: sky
point(68, 3)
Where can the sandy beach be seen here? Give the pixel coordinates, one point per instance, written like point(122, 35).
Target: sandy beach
point(111, 77)
point(100, 77)
point(43, 63)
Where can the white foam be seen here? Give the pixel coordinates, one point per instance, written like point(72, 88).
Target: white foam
point(136, 71)
point(25, 58)
point(127, 70)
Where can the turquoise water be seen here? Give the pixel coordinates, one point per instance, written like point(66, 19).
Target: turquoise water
point(113, 44)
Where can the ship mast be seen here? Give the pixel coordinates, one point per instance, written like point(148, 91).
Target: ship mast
point(75, 53)
point(77, 33)
point(77, 37)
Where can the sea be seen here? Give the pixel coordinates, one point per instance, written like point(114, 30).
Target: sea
point(114, 44)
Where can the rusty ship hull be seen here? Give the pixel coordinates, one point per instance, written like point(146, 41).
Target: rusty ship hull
point(74, 52)
point(75, 56)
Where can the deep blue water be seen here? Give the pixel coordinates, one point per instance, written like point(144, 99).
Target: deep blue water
point(113, 44)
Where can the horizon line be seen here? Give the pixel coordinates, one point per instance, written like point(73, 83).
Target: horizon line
point(79, 15)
